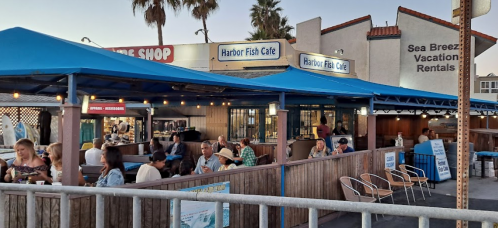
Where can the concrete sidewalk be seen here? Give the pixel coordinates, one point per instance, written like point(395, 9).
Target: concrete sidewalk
point(483, 196)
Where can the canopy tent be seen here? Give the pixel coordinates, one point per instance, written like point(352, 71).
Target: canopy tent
point(35, 63)
point(383, 94)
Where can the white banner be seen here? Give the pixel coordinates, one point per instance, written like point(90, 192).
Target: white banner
point(323, 63)
point(249, 51)
point(441, 161)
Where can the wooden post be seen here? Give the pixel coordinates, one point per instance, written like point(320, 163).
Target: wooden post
point(282, 136)
point(372, 131)
point(464, 107)
point(60, 120)
point(71, 144)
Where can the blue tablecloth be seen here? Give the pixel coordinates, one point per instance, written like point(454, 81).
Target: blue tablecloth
point(487, 154)
point(170, 157)
point(131, 165)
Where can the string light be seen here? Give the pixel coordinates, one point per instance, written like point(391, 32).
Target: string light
point(182, 102)
point(165, 102)
point(198, 106)
point(146, 101)
point(16, 95)
point(447, 114)
point(92, 97)
point(495, 115)
point(229, 103)
point(58, 97)
point(212, 103)
point(223, 103)
point(121, 100)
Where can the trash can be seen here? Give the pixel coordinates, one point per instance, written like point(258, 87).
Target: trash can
point(401, 156)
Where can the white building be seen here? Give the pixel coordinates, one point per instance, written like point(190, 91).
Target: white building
point(419, 52)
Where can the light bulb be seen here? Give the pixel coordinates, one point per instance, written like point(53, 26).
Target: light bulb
point(198, 106)
point(58, 97)
point(92, 97)
point(146, 102)
point(223, 103)
point(16, 95)
point(165, 102)
point(397, 118)
point(121, 100)
point(212, 103)
point(229, 103)
point(424, 115)
point(182, 102)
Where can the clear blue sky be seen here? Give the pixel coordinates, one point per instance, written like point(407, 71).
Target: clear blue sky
point(111, 22)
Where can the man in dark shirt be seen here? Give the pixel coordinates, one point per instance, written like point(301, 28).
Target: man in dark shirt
point(339, 129)
point(178, 148)
point(343, 147)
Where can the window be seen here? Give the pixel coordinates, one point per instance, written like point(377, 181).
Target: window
point(244, 123)
point(489, 87)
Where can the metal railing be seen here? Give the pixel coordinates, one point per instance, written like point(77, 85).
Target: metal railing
point(428, 164)
point(487, 218)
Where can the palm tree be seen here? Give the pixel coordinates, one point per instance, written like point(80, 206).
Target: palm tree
point(154, 13)
point(258, 35)
point(265, 17)
point(201, 9)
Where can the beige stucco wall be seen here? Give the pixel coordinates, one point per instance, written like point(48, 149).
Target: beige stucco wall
point(419, 32)
point(192, 56)
point(384, 65)
point(309, 33)
point(353, 40)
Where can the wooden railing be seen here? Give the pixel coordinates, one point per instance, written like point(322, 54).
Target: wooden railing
point(314, 178)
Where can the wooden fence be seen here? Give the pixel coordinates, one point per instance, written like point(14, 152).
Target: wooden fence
point(315, 178)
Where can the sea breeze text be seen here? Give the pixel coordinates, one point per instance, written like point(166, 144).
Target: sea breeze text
point(442, 59)
point(329, 64)
point(250, 51)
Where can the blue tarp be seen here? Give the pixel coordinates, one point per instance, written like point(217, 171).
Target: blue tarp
point(26, 53)
point(295, 78)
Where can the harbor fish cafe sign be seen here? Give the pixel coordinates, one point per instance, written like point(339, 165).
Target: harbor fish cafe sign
point(249, 51)
point(162, 54)
point(107, 108)
point(323, 63)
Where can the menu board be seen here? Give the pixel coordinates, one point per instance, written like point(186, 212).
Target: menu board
point(335, 140)
point(441, 161)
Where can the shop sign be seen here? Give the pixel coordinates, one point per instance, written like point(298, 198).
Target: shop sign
point(107, 108)
point(201, 214)
point(323, 63)
point(249, 51)
point(443, 170)
point(162, 54)
point(435, 57)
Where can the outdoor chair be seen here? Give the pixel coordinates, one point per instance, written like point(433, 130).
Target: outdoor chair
point(262, 160)
point(402, 183)
point(416, 178)
point(381, 193)
point(353, 195)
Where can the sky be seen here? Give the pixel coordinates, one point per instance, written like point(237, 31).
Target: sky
point(111, 23)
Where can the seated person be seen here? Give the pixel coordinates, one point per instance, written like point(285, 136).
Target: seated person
point(207, 160)
point(92, 156)
point(320, 150)
point(155, 146)
point(225, 156)
point(424, 136)
point(27, 161)
point(55, 153)
point(343, 147)
point(186, 168)
point(3, 169)
point(178, 148)
point(150, 171)
point(222, 143)
point(113, 171)
point(247, 156)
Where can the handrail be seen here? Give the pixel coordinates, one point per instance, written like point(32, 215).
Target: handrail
point(485, 217)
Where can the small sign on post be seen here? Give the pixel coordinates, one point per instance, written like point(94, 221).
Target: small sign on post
point(479, 8)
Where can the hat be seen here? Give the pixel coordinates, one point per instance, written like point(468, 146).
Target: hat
point(227, 153)
point(343, 141)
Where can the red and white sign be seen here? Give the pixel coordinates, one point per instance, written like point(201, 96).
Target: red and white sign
point(106, 108)
point(162, 54)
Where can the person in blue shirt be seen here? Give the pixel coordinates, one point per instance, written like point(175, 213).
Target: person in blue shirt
point(343, 147)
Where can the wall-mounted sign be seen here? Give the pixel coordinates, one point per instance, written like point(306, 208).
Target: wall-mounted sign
point(249, 51)
point(444, 125)
point(107, 108)
point(162, 54)
point(390, 160)
point(323, 63)
point(435, 57)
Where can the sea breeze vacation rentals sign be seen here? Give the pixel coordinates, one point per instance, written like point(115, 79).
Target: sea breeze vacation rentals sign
point(162, 54)
point(249, 51)
point(106, 108)
point(202, 214)
point(323, 63)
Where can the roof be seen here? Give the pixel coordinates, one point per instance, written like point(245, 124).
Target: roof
point(384, 32)
point(340, 26)
point(443, 22)
point(300, 78)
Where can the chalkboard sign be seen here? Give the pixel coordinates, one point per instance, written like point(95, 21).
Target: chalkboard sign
point(335, 140)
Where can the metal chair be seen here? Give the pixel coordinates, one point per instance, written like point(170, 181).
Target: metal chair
point(381, 193)
point(416, 178)
point(353, 195)
point(403, 183)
